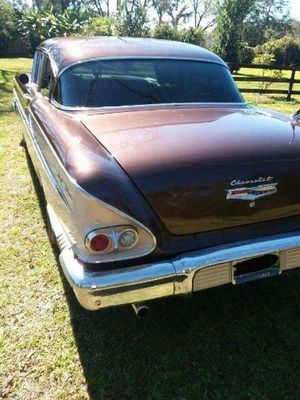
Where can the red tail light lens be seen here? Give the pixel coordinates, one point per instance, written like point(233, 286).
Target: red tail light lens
point(99, 242)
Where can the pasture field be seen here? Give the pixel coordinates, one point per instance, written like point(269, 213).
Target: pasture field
point(229, 343)
point(277, 102)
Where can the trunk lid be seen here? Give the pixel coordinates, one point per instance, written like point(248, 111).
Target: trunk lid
point(204, 169)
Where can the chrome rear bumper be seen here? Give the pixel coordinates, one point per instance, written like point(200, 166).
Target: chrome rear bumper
point(182, 275)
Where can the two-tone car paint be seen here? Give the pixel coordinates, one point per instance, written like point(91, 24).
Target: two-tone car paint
point(163, 168)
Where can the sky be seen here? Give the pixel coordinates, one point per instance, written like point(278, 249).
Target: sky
point(295, 12)
point(295, 7)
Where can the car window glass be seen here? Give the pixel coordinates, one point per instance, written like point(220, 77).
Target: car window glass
point(36, 66)
point(145, 81)
point(46, 78)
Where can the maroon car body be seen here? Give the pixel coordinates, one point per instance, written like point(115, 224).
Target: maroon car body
point(153, 186)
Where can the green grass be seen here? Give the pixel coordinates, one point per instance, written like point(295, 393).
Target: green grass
point(232, 343)
point(276, 102)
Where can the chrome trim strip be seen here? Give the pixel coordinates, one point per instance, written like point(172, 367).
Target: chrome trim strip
point(138, 107)
point(117, 279)
point(236, 251)
point(52, 60)
point(96, 289)
point(84, 60)
point(39, 153)
point(76, 185)
point(87, 194)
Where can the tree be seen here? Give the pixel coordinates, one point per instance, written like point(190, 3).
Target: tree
point(204, 13)
point(100, 6)
point(178, 11)
point(40, 25)
point(99, 26)
point(8, 21)
point(232, 14)
point(269, 19)
point(193, 36)
point(132, 19)
point(59, 6)
point(161, 7)
point(295, 27)
point(167, 31)
point(284, 51)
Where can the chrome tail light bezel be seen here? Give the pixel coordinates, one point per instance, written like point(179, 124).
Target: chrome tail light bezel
point(113, 233)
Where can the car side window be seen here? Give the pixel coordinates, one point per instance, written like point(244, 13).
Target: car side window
point(36, 66)
point(46, 78)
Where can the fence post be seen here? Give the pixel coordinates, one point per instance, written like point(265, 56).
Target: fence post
point(291, 85)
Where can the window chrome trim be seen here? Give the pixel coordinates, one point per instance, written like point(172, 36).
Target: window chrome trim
point(110, 58)
point(52, 60)
point(138, 107)
point(68, 108)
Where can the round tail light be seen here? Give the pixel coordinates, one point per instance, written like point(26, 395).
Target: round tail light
point(99, 242)
point(128, 238)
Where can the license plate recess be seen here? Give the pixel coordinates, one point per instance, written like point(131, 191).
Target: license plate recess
point(256, 268)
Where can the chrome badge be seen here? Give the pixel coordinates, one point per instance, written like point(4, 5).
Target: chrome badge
point(251, 193)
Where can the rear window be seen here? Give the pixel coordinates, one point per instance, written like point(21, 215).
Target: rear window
point(107, 83)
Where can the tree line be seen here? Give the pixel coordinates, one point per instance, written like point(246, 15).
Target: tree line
point(240, 31)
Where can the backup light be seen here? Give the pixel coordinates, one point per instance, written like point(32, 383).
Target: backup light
point(128, 238)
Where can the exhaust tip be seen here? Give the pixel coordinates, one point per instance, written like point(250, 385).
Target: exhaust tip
point(140, 309)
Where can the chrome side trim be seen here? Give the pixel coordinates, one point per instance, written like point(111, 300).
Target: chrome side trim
point(78, 194)
point(120, 279)
point(83, 191)
point(39, 153)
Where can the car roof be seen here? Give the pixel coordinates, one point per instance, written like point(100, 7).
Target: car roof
point(66, 51)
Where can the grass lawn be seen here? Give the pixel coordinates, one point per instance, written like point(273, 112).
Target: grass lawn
point(229, 343)
point(277, 102)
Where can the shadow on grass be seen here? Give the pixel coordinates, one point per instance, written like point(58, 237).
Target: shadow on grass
point(283, 99)
point(225, 343)
point(5, 110)
point(4, 88)
point(6, 77)
point(220, 344)
point(237, 74)
point(6, 91)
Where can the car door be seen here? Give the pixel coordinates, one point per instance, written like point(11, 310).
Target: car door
point(25, 88)
point(31, 93)
point(42, 82)
point(37, 119)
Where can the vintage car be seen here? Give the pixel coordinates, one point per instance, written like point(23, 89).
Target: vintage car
point(159, 178)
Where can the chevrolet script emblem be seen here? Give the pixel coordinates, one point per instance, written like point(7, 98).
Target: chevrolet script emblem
point(251, 193)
